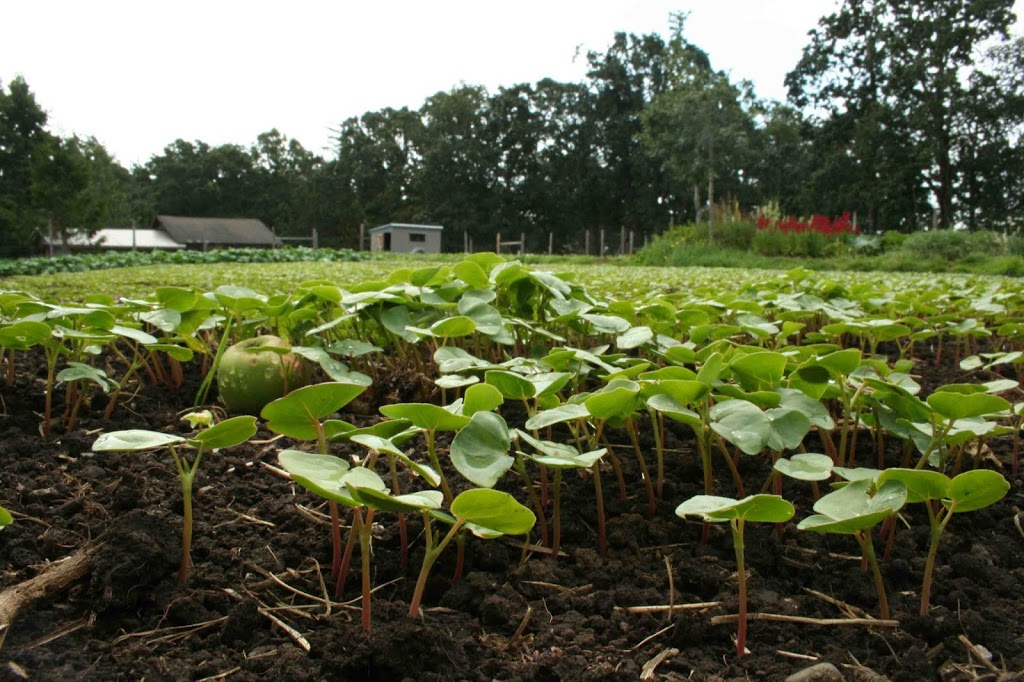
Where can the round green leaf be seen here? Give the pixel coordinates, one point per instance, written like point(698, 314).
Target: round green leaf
point(426, 416)
point(227, 433)
point(806, 466)
point(480, 450)
point(493, 510)
point(955, 405)
point(133, 440)
point(976, 489)
point(298, 414)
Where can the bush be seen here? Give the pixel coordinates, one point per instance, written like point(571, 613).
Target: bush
point(953, 245)
point(735, 234)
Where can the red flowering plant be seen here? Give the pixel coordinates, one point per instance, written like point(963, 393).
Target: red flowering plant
point(822, 224)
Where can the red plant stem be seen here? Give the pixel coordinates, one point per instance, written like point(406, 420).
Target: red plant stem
point(652, 503)
point(826, 442)
point(556, 517)
point(737, 480)
point(534, 499)
point(602, 535)
point(10, 367)
point(934, 535)
point(335, 539)
point(402, 533)
point(867, 547)
point(889, 532)
point(616, 467)
point(365, 527)
point(741, 581)
point(346, 560)
point(460, 558)
point(543, 486)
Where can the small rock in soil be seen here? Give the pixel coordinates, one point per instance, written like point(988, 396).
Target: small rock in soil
point(820, 672)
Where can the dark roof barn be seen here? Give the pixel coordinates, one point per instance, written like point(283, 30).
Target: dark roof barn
point(202, 232)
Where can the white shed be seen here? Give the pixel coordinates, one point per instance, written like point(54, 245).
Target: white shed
point(406, 238)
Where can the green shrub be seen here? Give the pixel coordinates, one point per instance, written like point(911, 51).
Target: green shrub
point(736, 234)
point(953, 245)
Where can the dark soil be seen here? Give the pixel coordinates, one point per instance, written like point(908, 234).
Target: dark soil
point(261, 559)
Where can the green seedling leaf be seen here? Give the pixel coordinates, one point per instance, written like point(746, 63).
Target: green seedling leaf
point(619, 401)
point(494, 511)
point(425, 416)
point(634, 338)
point(353, 348)
point(568, 412)
point(5, 518)
point(857, 474)
point(957, 405)
point(134, 440)
point(227, 433)
point(673, 410)
point(842, 362)
point(383, 500)
point(452, 327)
point(298, 414)
point(743, 424)
point(322, 475)
point(806, 466)
point(922, 485)
point(976, 489)
point(78, 371)
point(481, 398)
point(684, 392)
point(25, 334)
point(855, 507)
point(759, 371)
point(487, 318)
point(513, 386)
point(451, 381)
point(386, 446)
point(559, 455)
point(788, 428)
point(179, 353)
point(480, 450)
point(757, 508)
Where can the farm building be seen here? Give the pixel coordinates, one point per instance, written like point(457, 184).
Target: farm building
point(210, 233)
point(111, 239)
point(405, 238)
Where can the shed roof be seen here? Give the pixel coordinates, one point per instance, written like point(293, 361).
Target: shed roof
point(233, 231)
point(118, 238)
point(407, 226)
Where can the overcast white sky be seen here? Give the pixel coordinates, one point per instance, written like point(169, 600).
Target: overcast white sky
point(138, 75)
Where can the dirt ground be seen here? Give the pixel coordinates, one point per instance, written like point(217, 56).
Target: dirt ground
point(255, 607)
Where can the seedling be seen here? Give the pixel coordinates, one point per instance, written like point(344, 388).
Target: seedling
point(431, 419)
point(758, 508)
point(297, 415)
point(561, 457)
point(969, 491)
point(335, 480)
point(5, 518)
point(225, 434)
point(485, 513)
point(854, 510)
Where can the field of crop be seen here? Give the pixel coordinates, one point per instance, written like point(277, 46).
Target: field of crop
point(486, 469)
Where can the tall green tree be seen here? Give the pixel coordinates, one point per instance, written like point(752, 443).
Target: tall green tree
point(22, 137)
point(895, 70)
point(625, 78)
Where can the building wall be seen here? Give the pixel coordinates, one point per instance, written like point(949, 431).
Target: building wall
point(404, 240)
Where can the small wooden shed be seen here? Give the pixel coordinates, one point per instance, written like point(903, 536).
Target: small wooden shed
point(406, 238)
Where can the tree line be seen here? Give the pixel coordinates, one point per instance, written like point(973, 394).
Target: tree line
point(906, 114)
